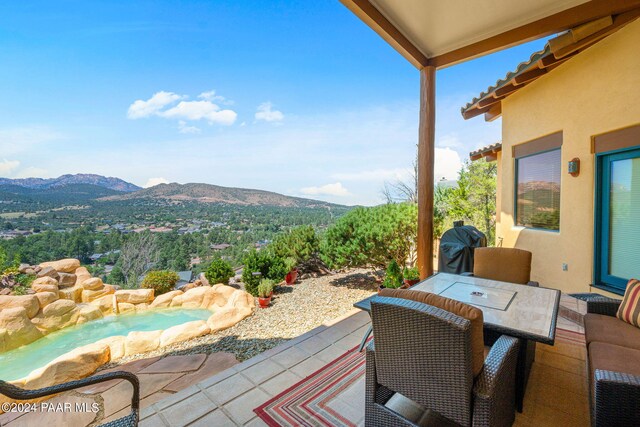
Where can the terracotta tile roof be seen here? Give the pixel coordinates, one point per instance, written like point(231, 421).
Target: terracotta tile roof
point(488, 151)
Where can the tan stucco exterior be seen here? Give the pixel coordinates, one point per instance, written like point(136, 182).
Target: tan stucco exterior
point(595, 92)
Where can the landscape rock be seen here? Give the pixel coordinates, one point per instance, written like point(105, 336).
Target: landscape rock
point(92, 284)
point(67, 265)
point(45, 284)
point(22, 268)
point(116, 344)
point(141, 341)
point(57, 315)
point(142, 307)
point(46, 298)
point(28, 302)
point(200, 297)
point(164, 300)
point(48, 272)
point(78, 363)
point(134, 296)
point(82, 274)
point(88, 312)
point(224, 318)
point(88, 296)
point(105, 304)
point(73, 294)
point(18, 328)
point(184, 332)
point(125, 307)
point(5, 291)
point(66, 280)
point(243, 301)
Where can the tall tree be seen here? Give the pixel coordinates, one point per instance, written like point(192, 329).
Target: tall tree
point(139, 254)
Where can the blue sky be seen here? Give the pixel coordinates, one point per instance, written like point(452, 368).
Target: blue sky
point(297, 97)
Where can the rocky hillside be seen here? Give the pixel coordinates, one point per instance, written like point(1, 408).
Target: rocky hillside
point(110, 183)
point(206, 193)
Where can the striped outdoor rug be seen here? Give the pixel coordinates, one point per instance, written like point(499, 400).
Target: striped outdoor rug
point(308, 403)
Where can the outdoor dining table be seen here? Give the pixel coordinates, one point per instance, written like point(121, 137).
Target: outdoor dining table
point(526, 312)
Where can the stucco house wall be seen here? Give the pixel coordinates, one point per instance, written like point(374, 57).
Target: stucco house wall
point(595, 92)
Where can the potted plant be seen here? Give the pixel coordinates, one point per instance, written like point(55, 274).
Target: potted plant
point(393, 278)
point(292, 275)
point(265, 292)
point(411, 276)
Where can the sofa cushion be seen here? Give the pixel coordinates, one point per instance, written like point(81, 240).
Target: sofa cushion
point(610, 330)
point(629, 310)
point(610, 357)
point(502, 264)
point(473, 314)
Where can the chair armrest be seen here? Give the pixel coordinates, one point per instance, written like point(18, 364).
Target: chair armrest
point(18, 393)
point(599, 304)
point(534, 284)
point(494, 389)
point(616, 399)
point(467, 273)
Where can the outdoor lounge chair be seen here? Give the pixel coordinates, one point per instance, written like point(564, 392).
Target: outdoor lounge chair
point(18, 393)
point(424, 354)
point(503, 264)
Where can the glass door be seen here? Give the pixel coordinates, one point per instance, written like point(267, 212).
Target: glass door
point(618, 222)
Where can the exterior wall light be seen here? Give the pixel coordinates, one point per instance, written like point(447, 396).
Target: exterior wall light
point(574, 167)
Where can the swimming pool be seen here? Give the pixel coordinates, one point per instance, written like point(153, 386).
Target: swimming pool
point(19, 363)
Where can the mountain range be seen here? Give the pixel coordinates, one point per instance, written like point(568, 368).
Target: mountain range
point(110, 183)
point(86, 187)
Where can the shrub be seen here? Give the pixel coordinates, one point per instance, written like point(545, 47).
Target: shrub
point(297, 245)
point(265, 263)
point(393, 278)
point(265, 288)
point(411, 273)
point(219, 271)
point(372, 237)
point(160, 281)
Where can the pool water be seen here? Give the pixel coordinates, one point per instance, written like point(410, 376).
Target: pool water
point(19, 363)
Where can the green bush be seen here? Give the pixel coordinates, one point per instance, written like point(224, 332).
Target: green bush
point(411, 273)
point(393, 278)
point(160, 281)
point(268, 265)
point(265, 287)
point(372, 237)
point(219, 271)
point(296, 246)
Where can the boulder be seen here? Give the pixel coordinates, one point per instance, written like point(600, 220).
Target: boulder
point(200, 297)
point(46, 298)
point(66, 280)
point(48, 272)
point(76, 364)
point(44, 288)
point(28, 302)
point(88, 296)
point(142, 307)
point(4, 336)
point(116, 344)
point(57, 315)
point(82, 274)
point(134, 296)
point(164, 300)
point(125, 307)
point(141, 342)
point(45, 280)
point(67, 265)
point(105, 304)
point(184, 332)
point(88, 312)
point(22, 268)
point(59, 308)
point(224, 318)
point(73, 294)
point(93, 284)
point(18, 328)
point(243, 301)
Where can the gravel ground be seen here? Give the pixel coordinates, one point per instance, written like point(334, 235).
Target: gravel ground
point(294, 310)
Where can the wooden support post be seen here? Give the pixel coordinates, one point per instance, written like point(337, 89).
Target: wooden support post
point(426, 153)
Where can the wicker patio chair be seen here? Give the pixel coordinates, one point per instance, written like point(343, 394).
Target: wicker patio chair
point(424, 354)
point(18, 393)
point(503, 264)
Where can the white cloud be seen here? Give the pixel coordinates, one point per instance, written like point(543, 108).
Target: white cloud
point(368, 175)
point(449, 141)
point(447, 164)
point(152, 182)
point(26, 139)
point(33, 172)
point(211, 96)
point(163, 104)
point(265, 112)
point(183, 127)
point(8, 166)
point(152, 106)
point(335, 189)
point(198, 110)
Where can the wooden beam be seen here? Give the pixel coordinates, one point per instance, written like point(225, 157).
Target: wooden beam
point(426, 155)
point(528, 76)
point(381, 25)
point(544, 27)
point(493, 113)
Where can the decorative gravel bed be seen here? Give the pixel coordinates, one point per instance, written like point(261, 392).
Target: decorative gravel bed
point(294, 310)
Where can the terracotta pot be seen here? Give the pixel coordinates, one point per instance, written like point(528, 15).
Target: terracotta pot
point(410, 283)
point(291, 277)
point(264, 302)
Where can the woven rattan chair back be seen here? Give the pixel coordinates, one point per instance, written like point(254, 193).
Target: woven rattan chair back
point(424, 353)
